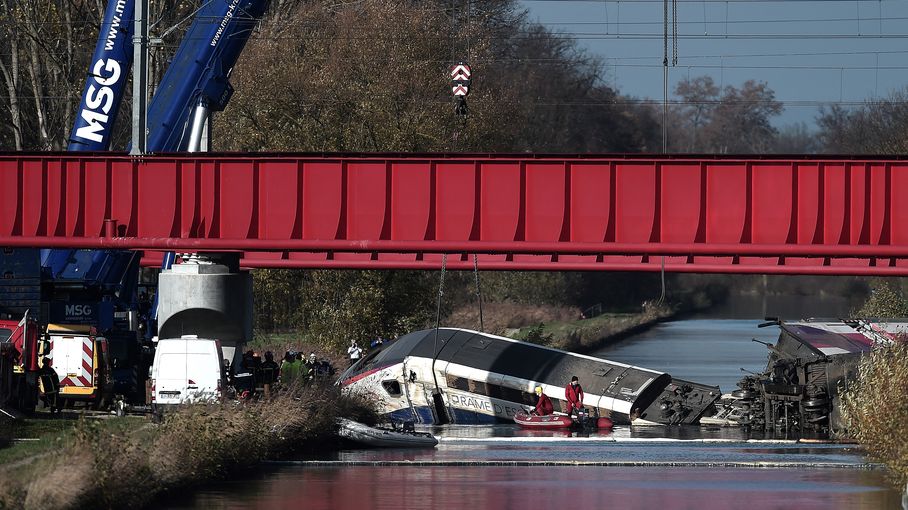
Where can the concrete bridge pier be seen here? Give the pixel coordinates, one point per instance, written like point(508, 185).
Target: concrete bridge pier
point(209, 296)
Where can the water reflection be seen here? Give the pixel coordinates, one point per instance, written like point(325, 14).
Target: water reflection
point(498, 488)
point(790, 307)
point(707, 351)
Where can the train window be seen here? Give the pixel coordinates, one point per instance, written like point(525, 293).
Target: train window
point(392, 387)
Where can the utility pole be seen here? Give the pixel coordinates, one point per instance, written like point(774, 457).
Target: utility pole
point(140, 79)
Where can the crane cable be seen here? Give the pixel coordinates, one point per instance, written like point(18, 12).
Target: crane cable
point(437, 399)
point(478, 290)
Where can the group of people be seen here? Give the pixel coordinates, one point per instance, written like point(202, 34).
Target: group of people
point(293, 369)
point(573, 393)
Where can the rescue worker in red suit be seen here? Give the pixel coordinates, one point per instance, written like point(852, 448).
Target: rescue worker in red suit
point(544, 405)
point(573, 393)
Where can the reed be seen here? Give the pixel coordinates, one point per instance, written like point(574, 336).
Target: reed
point(98, 467)
point(876, 410)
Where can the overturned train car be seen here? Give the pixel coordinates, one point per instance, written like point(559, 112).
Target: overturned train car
point(462, 376)
point(810, 365)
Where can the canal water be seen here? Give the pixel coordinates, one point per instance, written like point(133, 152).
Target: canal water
point(666, 468)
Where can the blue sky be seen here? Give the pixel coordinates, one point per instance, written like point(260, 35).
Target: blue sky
point(810, 52)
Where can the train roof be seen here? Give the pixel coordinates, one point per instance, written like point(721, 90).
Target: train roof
point(495, 354)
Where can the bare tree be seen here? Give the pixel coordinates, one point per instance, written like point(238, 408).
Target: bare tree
point(732, 120)
point(878, 127)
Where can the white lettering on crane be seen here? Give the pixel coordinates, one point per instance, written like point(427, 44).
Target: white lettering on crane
point(99, 98)
point(224, 22)
point(114, 26)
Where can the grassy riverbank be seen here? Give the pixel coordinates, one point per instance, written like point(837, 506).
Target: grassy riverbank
point(587, 335)
point(129, 462)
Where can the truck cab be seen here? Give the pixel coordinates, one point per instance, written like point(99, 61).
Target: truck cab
point(18, 364)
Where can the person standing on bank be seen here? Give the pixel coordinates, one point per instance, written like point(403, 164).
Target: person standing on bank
point(270, 373)
point(50, 383)
point(354, 351)
point(573, 393)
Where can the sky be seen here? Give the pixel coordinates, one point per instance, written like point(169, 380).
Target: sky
point(810, 52)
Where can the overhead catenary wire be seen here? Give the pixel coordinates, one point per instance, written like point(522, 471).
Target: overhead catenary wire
point(726, 1)
point(92, 24)
point(621, 60)
point(559, 104)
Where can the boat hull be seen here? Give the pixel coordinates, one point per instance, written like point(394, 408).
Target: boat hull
point(383, 438)
point(548, 422)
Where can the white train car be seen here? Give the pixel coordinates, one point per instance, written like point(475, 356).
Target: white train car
point(463, 376)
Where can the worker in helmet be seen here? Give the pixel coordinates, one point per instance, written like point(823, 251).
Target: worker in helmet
point(543, 403)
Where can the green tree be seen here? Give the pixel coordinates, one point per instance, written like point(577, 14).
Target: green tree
point(373, 76)
point(886, 301)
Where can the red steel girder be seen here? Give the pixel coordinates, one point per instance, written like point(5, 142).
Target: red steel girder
point(695, 214)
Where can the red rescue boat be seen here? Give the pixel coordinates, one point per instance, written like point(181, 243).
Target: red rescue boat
point(552, 421)
point(557, 421)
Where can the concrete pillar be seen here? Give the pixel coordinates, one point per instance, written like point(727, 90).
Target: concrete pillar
point(208, 296)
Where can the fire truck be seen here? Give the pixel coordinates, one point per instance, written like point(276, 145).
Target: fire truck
point(81, 359)
point(18, 365)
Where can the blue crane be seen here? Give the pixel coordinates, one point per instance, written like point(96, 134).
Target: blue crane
point(100, 286)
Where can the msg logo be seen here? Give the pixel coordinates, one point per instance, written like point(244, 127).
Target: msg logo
point(80, 310)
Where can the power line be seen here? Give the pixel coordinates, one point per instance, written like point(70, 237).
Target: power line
point(698, 2)
point(316, 24)
point(731, 22)
point(543, 101)
point(762, 55)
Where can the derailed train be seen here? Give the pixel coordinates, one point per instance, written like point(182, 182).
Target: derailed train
point(462, 376)
point(809, 367)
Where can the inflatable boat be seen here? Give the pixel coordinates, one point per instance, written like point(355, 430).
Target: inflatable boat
point(558, 421)
point(551, 421)
point(384, 438)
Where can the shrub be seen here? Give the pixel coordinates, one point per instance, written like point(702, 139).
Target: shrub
point(130, 463)
point(875, 408)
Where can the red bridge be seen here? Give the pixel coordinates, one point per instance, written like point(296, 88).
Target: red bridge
point(598, 212)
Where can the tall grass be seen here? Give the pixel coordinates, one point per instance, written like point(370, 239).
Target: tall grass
point(877, 409)
point(102, 468)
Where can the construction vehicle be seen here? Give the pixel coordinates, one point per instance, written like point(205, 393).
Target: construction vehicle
point(18, 365)
point(90, 299)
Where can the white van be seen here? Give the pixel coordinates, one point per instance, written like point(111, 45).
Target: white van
point(187, 369)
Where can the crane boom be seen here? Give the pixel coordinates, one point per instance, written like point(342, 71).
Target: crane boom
point(99, 287)
point(106, 81)
point(200, 70)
